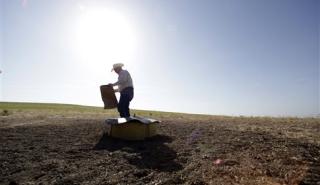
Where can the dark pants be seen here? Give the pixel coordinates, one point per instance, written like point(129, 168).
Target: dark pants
point(126, 96)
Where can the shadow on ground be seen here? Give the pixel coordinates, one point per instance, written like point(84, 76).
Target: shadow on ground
point(152, 153)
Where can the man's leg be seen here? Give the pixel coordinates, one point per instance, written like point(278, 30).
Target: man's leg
point(124, 102)
point(129, 97)
point(126, 107)
point(123, 106)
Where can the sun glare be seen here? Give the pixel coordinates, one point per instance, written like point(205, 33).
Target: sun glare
point(104, 35)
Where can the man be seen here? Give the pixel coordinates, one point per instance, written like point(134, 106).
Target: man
point(125, 87)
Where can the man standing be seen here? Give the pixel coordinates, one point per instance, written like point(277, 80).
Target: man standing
point(125, 87)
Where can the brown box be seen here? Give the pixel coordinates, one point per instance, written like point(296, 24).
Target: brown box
point(108, 97)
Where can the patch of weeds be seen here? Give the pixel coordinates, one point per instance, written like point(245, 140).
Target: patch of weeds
point(5, 113)
point(206, 149)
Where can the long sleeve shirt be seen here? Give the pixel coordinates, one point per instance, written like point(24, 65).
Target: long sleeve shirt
point(124, 80)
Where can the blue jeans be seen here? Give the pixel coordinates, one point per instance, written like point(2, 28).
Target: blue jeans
point(126, 96)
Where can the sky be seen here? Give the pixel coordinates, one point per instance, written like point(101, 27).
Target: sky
point(219, 57)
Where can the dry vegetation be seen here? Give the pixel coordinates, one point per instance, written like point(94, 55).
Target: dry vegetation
point(65, 144)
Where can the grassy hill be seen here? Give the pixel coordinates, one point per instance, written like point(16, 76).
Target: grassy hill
point(65, 109)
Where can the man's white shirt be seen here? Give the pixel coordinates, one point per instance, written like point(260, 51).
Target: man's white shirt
point(124, 80)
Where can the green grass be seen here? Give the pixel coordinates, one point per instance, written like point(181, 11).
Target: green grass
point(51, 108)
point(45, 106)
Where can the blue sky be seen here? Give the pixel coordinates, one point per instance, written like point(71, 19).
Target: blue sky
point(221, 57)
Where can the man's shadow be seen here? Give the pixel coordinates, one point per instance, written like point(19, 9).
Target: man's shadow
point(151, 153)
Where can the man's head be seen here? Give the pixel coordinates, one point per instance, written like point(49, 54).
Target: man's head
point(117, 67)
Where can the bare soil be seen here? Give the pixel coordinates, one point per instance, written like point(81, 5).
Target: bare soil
point(59, 149)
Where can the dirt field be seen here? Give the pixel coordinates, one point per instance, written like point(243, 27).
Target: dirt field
point(48, 147)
